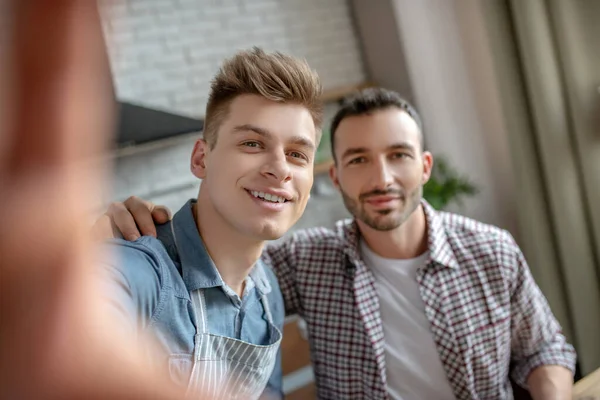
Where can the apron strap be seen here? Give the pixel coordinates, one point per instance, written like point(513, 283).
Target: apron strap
point(199, 306)
point(197, 299)
point(201, 324)
point(200, 311)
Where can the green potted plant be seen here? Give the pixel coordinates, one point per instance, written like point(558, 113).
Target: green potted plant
point(446, 185)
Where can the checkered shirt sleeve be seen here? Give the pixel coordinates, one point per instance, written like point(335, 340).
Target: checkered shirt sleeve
point(536, 337)
point(280, 258)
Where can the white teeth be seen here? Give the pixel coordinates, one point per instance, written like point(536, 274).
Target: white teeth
point(268, 197)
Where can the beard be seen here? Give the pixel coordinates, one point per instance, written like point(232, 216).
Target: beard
point(385, 219)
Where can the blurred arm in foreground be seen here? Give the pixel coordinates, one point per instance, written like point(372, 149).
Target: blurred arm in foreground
point(56, 338)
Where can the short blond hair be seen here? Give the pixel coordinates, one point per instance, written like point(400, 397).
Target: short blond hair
point(275, 76)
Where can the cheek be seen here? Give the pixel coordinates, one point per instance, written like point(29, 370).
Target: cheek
point(410, 177)
point(222, 164)
point(223, 178)
point(351, 186)
point(304, 183)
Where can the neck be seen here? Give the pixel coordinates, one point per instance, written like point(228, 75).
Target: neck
point(233, 253)
point(407, 241)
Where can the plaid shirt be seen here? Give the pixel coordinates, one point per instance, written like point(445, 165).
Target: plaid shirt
point(487, 315)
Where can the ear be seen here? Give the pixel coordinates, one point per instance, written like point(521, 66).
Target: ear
point(427, 166)
point(333, 174)
point(198, 160)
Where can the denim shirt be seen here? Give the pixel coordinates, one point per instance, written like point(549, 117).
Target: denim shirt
point(150, 281)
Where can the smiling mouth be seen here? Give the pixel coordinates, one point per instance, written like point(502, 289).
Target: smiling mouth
point(270, 198)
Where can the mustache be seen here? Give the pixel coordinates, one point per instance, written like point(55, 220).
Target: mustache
point(379, 192)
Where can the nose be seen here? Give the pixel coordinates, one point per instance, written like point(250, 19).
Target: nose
point(277, 168)
point(382, 175)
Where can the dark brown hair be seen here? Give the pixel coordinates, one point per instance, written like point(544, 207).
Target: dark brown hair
point(368, 101)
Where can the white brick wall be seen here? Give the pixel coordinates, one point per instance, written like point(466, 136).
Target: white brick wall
point(164, 52)
point(158, 172)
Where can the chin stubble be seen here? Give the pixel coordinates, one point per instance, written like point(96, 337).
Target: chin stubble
point(381, 223)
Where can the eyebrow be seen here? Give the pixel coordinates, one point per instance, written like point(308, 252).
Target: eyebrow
point(402, 146)
point(296, 139)
point(354, 150)
point(361, 150)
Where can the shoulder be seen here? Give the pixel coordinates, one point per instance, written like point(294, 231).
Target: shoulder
point(317, 235)
point(470, 230)
point(311, 239)
point(141, 264)
point(477, 241)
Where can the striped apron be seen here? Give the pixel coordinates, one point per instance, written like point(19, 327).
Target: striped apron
point(227, 368)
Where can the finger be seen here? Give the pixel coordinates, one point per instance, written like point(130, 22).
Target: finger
point(161, 214)
point(141, 211)
point(123, 220)
point(63, 76)
point(102, 229)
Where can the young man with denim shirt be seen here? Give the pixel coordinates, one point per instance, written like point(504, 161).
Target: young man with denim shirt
point(215, 309)
point(403, 301)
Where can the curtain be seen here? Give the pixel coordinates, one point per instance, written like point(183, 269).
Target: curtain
point(547, 60)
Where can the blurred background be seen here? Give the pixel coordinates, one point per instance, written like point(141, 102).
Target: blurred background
point(509, 92)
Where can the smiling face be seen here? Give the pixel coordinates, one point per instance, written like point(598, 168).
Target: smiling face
point(380, 167)
point(259, 174)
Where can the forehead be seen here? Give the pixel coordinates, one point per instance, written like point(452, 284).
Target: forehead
point(378, 129)
point(282, 120)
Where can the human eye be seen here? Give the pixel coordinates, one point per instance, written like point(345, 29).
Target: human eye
point(400, 155)
point(298, 155)
point(252, 144)
point(357, 160)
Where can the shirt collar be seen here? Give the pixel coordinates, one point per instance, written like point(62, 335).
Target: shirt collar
point(440, 251)
point(197, 268)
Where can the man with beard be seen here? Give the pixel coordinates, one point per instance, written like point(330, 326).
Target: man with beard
point(403, 301)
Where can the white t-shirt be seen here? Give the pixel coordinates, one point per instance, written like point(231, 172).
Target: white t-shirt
point(414, 369)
